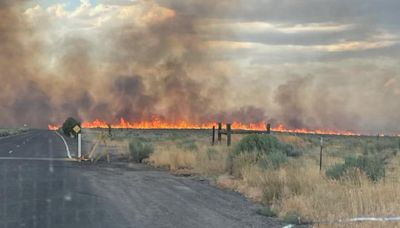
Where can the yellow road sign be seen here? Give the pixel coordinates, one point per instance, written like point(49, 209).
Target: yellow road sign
point(77, 129)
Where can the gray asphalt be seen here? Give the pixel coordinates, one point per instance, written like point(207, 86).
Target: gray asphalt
point(40, 190)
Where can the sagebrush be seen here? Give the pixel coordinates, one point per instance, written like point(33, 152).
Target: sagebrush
point(140, 150)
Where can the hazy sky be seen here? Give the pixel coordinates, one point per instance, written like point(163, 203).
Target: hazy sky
point(305, 63)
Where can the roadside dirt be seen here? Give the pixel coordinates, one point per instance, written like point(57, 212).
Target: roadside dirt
point(148, 197)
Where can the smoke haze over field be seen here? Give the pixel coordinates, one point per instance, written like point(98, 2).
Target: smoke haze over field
point(336, 68)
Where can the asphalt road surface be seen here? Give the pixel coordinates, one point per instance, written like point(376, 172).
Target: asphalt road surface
point(39, 189)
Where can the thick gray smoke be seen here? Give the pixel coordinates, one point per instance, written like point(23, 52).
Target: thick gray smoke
point(158, 61)
point(306, 102)
point(159, 68)
point(21, 97)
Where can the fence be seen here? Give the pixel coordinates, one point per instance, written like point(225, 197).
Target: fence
point(99, 145)
point(229, 132)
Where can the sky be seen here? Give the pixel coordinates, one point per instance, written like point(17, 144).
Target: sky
point(69, 5)
point(305, 63)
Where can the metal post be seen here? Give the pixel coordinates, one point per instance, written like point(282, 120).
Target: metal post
point(109, 130)
point(213, 136)
point(320, 153)
point(228, 134)
point(219, 132)
point(79, 145)
point(269, 128)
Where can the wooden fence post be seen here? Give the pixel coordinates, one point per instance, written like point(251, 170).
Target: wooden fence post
point(213, 136)
point(219, 132)
point(320, 153)
point(109, 130)
point(228, 134)
point(269, 128)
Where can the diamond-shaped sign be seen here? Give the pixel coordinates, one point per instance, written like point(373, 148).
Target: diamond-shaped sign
point(77, 129)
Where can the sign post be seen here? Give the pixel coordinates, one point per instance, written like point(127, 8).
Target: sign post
point(77, 130)
point(79, 145)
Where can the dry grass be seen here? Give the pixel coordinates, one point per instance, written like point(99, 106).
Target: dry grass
point(316, 198)
point(298, 186)
point(209, 161)
point(97, 145)
point(172, 158)
point(302, 189)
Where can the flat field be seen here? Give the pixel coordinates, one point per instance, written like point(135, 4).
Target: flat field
point(359, 176)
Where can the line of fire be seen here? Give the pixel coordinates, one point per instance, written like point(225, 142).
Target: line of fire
point(160, 124)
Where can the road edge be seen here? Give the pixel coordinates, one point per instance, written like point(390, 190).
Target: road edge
point(66, 145)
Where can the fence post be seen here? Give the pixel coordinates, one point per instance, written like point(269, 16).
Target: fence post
point(219, 132)
point(109, 130)
point(213, 136)
point(228, 134)
point(269, 128)
point(320, 153)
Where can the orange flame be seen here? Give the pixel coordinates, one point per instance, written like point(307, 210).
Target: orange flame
point(281, 128)
point(162, 124)
point(157, 123)
point(53, 127)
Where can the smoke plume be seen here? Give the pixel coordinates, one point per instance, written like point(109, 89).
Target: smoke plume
point(157, 59)
point(155, 66)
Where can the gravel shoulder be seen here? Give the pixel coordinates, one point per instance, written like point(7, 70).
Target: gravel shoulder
point(147, 197)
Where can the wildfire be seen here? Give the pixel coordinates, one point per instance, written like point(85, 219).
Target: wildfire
point(157, 123)
point(52, 127)
point(281, 128)
point(161, 124)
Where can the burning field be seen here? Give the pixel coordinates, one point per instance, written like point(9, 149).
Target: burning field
point(160, 124)
point(314, 71)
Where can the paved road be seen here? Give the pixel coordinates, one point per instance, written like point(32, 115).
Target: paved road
point(40, 190)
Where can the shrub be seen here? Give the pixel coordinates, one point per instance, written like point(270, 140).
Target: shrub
point(9, 132)
point(292, 218)
point(261, 144)
point(268, 151)
point(351, 161)
point(291, 152)
point(266, 211)
point(336, 171)
point(272, 161)
point(4, 133)
point(140, 150)
point(371, 165)
point(68, 126)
